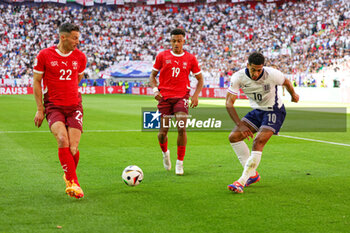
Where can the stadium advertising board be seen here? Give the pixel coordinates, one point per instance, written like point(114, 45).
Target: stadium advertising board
point(44, 1)
point(115, 2)
point(155, 2)
point(206, 92)
point(85, 2)
point(16, 90)
point(82, 90)
point(102, 90)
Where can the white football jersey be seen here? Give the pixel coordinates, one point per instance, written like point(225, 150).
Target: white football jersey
point(262, 93)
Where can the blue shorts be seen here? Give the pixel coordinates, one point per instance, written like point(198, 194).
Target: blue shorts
point(271, 120)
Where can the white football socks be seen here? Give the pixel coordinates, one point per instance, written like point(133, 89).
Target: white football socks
point(242, 151)
point(250, 166)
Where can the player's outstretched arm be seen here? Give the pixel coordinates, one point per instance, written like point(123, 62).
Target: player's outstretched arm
point(38, 95)
point(290, 89)
point(230, 100)
point(194, 98)
point(154, 85)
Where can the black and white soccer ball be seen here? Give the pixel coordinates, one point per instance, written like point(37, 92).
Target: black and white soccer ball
point(132, 175)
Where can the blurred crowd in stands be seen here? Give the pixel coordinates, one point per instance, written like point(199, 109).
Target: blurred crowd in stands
point(298, 38)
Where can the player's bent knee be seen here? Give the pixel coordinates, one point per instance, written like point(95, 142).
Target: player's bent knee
point(181, 131)
point(62, 140)
point(162, 134)
point(235, 137)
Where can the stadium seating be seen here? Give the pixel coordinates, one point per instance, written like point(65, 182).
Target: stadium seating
point(302, 37)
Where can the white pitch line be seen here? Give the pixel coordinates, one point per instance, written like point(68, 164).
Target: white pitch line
point(9, 132)
point(138, 130)
point(111, 130)
point(315, 140)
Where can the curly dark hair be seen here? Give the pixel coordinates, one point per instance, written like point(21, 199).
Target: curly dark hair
point(256, 58)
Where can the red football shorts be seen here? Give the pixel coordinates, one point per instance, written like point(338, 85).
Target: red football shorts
point(171, 106)
point(71, 116)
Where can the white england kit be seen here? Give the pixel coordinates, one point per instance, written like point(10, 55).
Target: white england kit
point(269, 111)
point(262, 93)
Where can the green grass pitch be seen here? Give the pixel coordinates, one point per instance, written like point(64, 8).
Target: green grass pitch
point(305, 185)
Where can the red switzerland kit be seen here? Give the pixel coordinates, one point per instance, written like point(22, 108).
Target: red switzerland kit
point(60, 75)
point(174, 73)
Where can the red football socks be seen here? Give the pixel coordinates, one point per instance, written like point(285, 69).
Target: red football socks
point(181, 152)
point(68, 164)
point(164, 146)
point(76, 159)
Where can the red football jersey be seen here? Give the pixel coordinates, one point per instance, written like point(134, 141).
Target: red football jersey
point(174, 74)
point(60, 75)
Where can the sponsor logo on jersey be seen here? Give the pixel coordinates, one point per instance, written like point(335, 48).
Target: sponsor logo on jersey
point(65, 63)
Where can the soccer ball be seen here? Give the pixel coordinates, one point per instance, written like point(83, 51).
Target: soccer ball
point(132, 175)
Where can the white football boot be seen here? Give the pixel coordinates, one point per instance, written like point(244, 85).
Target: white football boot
point(166, 160)
point(179, 169)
